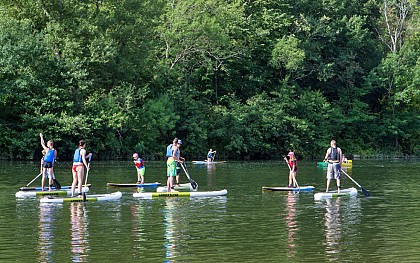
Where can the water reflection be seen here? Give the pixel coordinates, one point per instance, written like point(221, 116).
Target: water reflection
point(46, 233)
point(341, 214)
point(138, 229)
point(79, 232)
point(172, 229)
point(290, 219)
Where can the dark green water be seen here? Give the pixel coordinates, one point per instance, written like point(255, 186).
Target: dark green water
point(248, 225)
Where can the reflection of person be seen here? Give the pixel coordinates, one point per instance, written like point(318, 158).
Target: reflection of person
point(49, 158)
point(79, 232)
point(334, 157)
point(293, 169)
point(78, 169)
point(210, 155)
point(292, 225)
point(139, 163)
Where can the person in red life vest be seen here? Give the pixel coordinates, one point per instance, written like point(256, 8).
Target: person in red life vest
point(139, 163)
point(292, 162)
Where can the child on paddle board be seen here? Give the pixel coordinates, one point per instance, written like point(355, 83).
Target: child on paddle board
point(49, 158)
point(180, 160)
point(292, 163)
point(139, 163)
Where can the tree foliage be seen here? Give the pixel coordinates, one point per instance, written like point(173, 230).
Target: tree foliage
point(252, 79)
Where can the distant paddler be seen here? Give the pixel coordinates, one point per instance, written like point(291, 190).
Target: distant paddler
point(210, 155)
point(292, 163)
point(139, 163)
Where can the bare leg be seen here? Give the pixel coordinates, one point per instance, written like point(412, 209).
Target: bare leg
point(328, 185)
point(338, 185)
point(44, 173)
point(80, 176)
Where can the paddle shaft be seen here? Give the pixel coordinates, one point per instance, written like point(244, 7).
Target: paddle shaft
point(87, 173)
point(34, 179)
point(193, 183)
point(365, 192)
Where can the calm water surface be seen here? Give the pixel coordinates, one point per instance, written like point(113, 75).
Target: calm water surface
point(248, 225)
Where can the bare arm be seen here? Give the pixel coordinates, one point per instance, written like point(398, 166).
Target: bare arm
point(42, 141)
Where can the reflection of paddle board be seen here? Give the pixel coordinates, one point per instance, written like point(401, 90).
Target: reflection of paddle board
point(333, 194)
point(285, 188)
point(46, 188)
point(205, 162)
point(149, 195)
point(22, 194)
point(89, 198)
point(155, 184)
point(181, 187)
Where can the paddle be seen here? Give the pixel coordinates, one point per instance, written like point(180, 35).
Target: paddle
point(56, 184)
point(192, 182)
point(290, 169)
point(365, 192)
point(87, 173)
point(36, 177)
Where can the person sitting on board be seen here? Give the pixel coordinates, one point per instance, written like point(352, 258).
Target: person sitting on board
point(293, 169)
point(49, 158)
point(210, 155)
point(334, 157)
point(344, 159)
point(141, 169)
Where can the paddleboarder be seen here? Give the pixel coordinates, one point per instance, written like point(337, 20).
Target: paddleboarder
point(210, 155)
point(334, 157)
point(179, 161)
point(49, 158)
point(292, 163)
point(171, 151)
point(141, 169)
point(78, 168)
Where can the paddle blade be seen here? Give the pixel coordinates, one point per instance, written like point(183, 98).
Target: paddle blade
point(365, 192)
point(56, 184)
point(193, 184)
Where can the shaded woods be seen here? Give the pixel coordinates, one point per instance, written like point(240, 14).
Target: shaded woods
point(251, 79)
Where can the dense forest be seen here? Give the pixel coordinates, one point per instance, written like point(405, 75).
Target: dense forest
point(249, 78)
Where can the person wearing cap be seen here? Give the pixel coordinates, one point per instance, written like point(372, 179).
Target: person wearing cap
point(292, 163)
point(139, 163)
point(180, 160)
point(171, 163)
point(334, 157)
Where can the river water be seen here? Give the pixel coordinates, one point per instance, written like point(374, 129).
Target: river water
point(248, 225)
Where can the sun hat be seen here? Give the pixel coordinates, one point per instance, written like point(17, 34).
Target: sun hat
point(135, 155)
point(290, 154)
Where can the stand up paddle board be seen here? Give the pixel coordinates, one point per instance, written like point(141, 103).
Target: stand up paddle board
point(285, 188)
point(155, 184)
point(89, 198)
point(46, 188)
point(181, 187)
point(149, 195)
point(334, 194)
point(23, 194)
point(205, 162)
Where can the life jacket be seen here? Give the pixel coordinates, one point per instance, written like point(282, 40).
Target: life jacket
point(169, 150)
point(139, 164)
point(49, 157)
point(77, 157)
point(334, 155)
